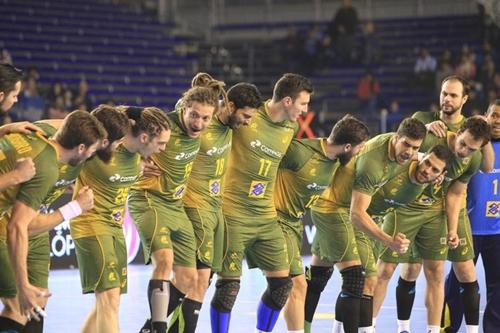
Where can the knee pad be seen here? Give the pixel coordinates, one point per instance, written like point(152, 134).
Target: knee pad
point(353, 280)
point(317, 277)
point(278, 289)
point(225, 295)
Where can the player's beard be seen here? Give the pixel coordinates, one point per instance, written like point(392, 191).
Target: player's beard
point(450, 112)
point(344, 158)
point(105, 154)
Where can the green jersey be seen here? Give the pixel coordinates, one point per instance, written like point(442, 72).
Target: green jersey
point(397, 192)
point(304, 173)
point(251, 173)
point(461, 169)
point(205, 185)
point(110, 183)
point(371, 169)
point(33, 192)
point(429, 117)
point(176, 163)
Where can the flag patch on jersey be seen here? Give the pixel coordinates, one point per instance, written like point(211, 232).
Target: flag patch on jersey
point(493, 208)
point(214, 187)
point(257, 189)
point(179, 191)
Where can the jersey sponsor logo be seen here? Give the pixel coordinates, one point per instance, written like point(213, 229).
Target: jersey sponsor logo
point(64, 182)
point(218, 150)
point(257, 189)
point(179, 191)
point(185, 156)
point(122, 179)
point(493, 208)
point(316, 187)
point(257, 144)
point(214, 187)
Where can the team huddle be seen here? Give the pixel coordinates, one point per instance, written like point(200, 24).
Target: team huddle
point(222, 178)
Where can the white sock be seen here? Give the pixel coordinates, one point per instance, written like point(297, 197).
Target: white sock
point(365, 329)
point(403, 325)
point(297, 331)
point(374, 322)
point(472, 328)
point(433, 329)
point(338, 327)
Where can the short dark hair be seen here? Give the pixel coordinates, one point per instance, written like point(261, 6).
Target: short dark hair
point(349, 130)
point(462, 80)
point(443, 152)
point(150, 120)
point(115, 122)
point(9, 76)
point(478, 128)
point(291, 85)
point(244, 95)
point(492, 106)
point(412, 128)
point(80, 127)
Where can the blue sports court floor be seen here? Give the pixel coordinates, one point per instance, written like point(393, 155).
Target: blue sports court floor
point(68, 307)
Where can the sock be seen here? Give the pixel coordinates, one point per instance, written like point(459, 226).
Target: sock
point(267, 317)
point(314, 285)
point(472, 328)
point(34, 326)
point(469, 293)
point(347, 310)
point(176, 297)
point(366, 313)
point(219, 320)
point(158, 296)
point(403, 325)
point(187, 319)
point(374, 322)
point(296, 331)
point(11, 326)
point(433, 329)
point(337, 326)
point(405, 296)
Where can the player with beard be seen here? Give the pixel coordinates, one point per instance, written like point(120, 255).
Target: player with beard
point(10, 86)
point(248, 205)
point(156, 205)
point(424, 220)
point(203, 199)
point(76, 140)
point(98, 234)
point(115, 124)
point(339, 213)
point(454, 94)
point(305, 171)
point(482, 202)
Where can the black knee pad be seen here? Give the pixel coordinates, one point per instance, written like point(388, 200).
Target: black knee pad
point(225, 295)
point(317, 277)
point(353, 280)
point(278, 289)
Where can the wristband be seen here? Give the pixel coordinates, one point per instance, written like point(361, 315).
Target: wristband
point(70, 210)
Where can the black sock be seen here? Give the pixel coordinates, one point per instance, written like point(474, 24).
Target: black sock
point(405, 296)
point(312, 300)
point(176, 297)
point(190, 312)
point(348, 306)
point(317, 278)
point(366, 311)
point(7, 324)
point(469, 293)
point(34, 326)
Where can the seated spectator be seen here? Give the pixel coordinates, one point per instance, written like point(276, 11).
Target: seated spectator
point(31, 105)
point(342, 30)
point(394, 116)
point(368, 91)
point(466, 67)
point(371, 44)
point(57, 110)
point(5, 57)
point(82, 99)
point(425, 70)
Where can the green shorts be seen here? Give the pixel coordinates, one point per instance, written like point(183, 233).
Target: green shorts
point(335, 239)
point(366, 251)
point(426, 231)
point(102, 261)
point(163, 226)
point(465, 249)
point(294, 234)
point(38, 265)
point(260, 240)
point(209, 229)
